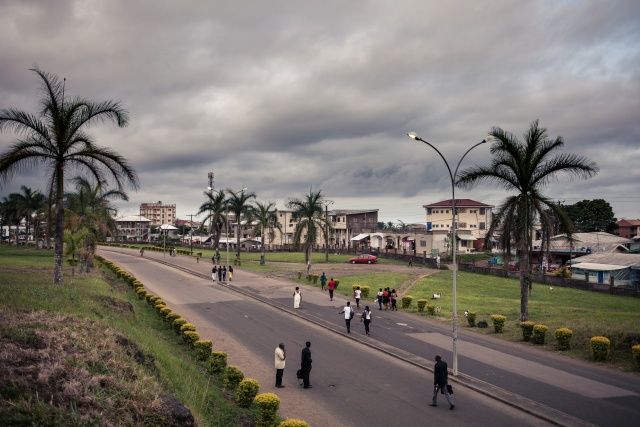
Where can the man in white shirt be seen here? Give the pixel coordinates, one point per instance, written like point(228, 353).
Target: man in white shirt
point(348, 315)
point(357, 294)
point(280, 356)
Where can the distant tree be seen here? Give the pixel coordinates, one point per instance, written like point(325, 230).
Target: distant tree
point(381, 225)
point(239, 203)
point(593, 215)
point(310, 222)
point(391, 225)
point(215, 209)
point(57, 139)
point(525, 168)
point(28, 203)
point(265, 216)
point(11, 214)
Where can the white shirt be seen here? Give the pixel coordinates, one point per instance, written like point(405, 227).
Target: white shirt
point(357, 293)
point(347, 312)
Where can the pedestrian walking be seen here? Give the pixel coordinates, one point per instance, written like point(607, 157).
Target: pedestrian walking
point(219, 274)
point(438, 261)
point(214, 273)
point(305, 366)
point(385, 298)
point(217, 257)
point(213, 259)
point(297, 298)
point(348, 315)
point(331, 286)
point(280, 357)
point(410, 261)
point(356, 295)
point(440, 382)
point(141, 251)
point(380, 298)
point(230, 273)
point(366, 318)
point(224, 273)
point(323, 281)
point(393, 296)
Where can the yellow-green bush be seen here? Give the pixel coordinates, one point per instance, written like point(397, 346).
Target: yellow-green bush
point(247, 391)
point(187, 327)
point(431, 310)
point(406, 301)
point(527, 330)
point(600, 347)
point(635, 352)
point(171, 317)
point(421, 304)
point(232, 377)
point(190, 337)
point(164, 312)
point(292, 422)
point(269, 403)
point(337, 282)
point(141, 293)
point(539, 332)
point(471, 318)
point(498, 322)
point(218, 362)
point(563, 337)
point(178, 323)
point(203, 349)
point(159, 305)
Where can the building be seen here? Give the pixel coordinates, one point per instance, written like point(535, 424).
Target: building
point(159, 213)
point(353, 227)
point(608, 268)
point(629, 228)
point(473, 221)
point(559, 249)
point(133, 228)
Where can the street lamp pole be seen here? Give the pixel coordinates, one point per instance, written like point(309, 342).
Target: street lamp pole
point(452, 176)
point(326, 228)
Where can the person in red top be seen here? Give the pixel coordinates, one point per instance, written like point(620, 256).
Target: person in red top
point(331, 285)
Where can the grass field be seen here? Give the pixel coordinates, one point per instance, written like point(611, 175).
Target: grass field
point(92, 353)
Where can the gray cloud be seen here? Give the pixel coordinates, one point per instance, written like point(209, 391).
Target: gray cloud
point(281, 96)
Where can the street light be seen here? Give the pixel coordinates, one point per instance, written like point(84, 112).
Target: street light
point(326, 228)
point(227, 229)
point(452, 176)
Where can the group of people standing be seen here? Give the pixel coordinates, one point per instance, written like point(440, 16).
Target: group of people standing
point(220, 273)
point(387, 298)
point(305, 365)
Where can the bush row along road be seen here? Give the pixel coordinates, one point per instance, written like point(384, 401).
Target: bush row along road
point(385, 379)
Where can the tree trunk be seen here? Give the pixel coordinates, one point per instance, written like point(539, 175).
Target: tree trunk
point(524, 285)
point(59, 232)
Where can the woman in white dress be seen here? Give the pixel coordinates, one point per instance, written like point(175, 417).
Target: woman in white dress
point(297, 298)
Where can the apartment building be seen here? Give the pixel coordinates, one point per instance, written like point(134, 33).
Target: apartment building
point(472, 222)
point(159, 213)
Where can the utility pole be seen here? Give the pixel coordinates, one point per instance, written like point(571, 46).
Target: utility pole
point(191, 232)
point(210, 199)
point(326, 228)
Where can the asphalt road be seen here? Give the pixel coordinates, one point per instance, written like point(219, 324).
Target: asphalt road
point(385, 379)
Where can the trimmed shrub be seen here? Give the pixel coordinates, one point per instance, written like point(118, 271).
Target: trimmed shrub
point(164, 312)
point(148, 298)
point(498, 322)
point(177, 324)
point(171, 317)
point(365, 291)
point(269, 403)
point(337, 282)
point(635, 352)
point(309, 278)
point(471, 319)
point(539, 332)
point(187, 327)
point(292, 422)
point(431, 309)
point(563, 337)
point(232, 377)
point(527, 330)
point(247, 391)
point(600, 347)
point(299, 274)
point(218, 362)
point(141, 293)
point(406, 301)
point(203, 349)
point(315, 278)
point(421, 304)
point(190, 338)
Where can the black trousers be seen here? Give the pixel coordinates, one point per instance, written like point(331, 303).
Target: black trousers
point(279, 373)
point(305, 378)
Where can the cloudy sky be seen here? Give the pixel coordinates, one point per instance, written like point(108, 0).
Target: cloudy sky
point(283, 96)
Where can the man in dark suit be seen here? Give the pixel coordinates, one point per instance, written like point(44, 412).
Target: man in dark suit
point(440, 381)
point(306, 365)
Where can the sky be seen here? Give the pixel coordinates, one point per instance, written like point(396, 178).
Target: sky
point(284, 97)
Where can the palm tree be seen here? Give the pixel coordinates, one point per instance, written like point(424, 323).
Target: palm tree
point(239, 203)
point(265, 216)
point(56, 138)
point(310, 222)
point(11, 214)
point(28, 202)
point(215, 209)
point(526, 167)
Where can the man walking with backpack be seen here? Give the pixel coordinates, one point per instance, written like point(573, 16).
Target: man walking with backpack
point(348, 315)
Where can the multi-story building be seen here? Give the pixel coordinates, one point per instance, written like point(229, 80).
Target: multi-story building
point(135, 228)
point(472, 222)
point(629, 228)
point(159, 213)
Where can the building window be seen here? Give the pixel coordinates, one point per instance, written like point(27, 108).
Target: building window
point(482, 211)
point(428, 211)
point(482, 226)
point(423, 244)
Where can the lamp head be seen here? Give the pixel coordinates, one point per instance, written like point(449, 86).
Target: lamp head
point(413, 135)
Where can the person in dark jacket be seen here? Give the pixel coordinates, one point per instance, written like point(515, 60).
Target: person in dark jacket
point(306, 365)
point(440, 381)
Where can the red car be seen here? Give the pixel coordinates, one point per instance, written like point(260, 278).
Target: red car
point(364, 259)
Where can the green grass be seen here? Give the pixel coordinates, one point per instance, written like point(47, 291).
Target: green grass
point(587, 314)
point(93, 311)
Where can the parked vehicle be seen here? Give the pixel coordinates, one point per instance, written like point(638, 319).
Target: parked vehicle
point(364, 259)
